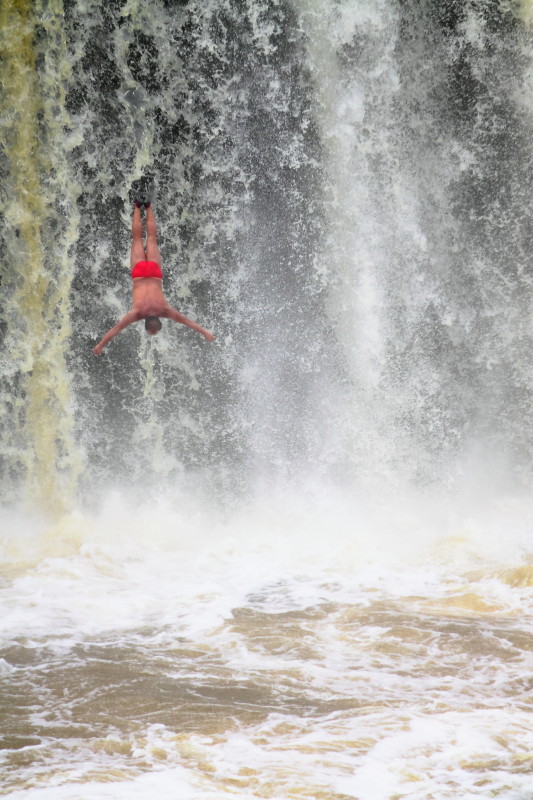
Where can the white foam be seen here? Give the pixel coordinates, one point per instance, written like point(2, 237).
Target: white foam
point(189, 569)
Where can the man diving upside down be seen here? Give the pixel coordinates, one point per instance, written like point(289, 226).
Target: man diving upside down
point(149, 302)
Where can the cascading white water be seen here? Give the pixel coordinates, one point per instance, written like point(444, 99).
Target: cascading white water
point(295, 562)
point(349, 210)
point(423, 120)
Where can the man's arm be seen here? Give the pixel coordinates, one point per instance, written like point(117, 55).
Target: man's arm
point(126, 320)
point(177, 317)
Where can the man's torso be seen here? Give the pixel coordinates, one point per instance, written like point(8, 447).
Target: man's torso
point(148, 298)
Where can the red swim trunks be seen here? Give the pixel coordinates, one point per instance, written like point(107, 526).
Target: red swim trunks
point(146, 269)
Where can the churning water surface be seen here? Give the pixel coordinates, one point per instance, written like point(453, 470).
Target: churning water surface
point(295, 563)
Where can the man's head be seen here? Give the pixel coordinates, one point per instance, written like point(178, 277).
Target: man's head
point(152, 325)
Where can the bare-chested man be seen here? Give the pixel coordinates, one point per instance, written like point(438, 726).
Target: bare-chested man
point(148, 299)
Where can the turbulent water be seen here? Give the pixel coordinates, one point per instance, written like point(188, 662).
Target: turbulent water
point(297, 562)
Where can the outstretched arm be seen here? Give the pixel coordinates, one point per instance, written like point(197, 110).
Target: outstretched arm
point(177, 317)
point(126, 320)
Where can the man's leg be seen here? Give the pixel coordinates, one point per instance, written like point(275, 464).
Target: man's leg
point(137, 247)
point(152, 250)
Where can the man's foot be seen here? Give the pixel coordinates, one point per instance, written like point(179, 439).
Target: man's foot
point(142, 191)
point(142, 200)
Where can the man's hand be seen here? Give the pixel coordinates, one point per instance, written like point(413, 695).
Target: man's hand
point(127, 319)
point(177, 316)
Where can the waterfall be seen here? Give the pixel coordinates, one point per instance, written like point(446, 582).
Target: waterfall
point(342, 192)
